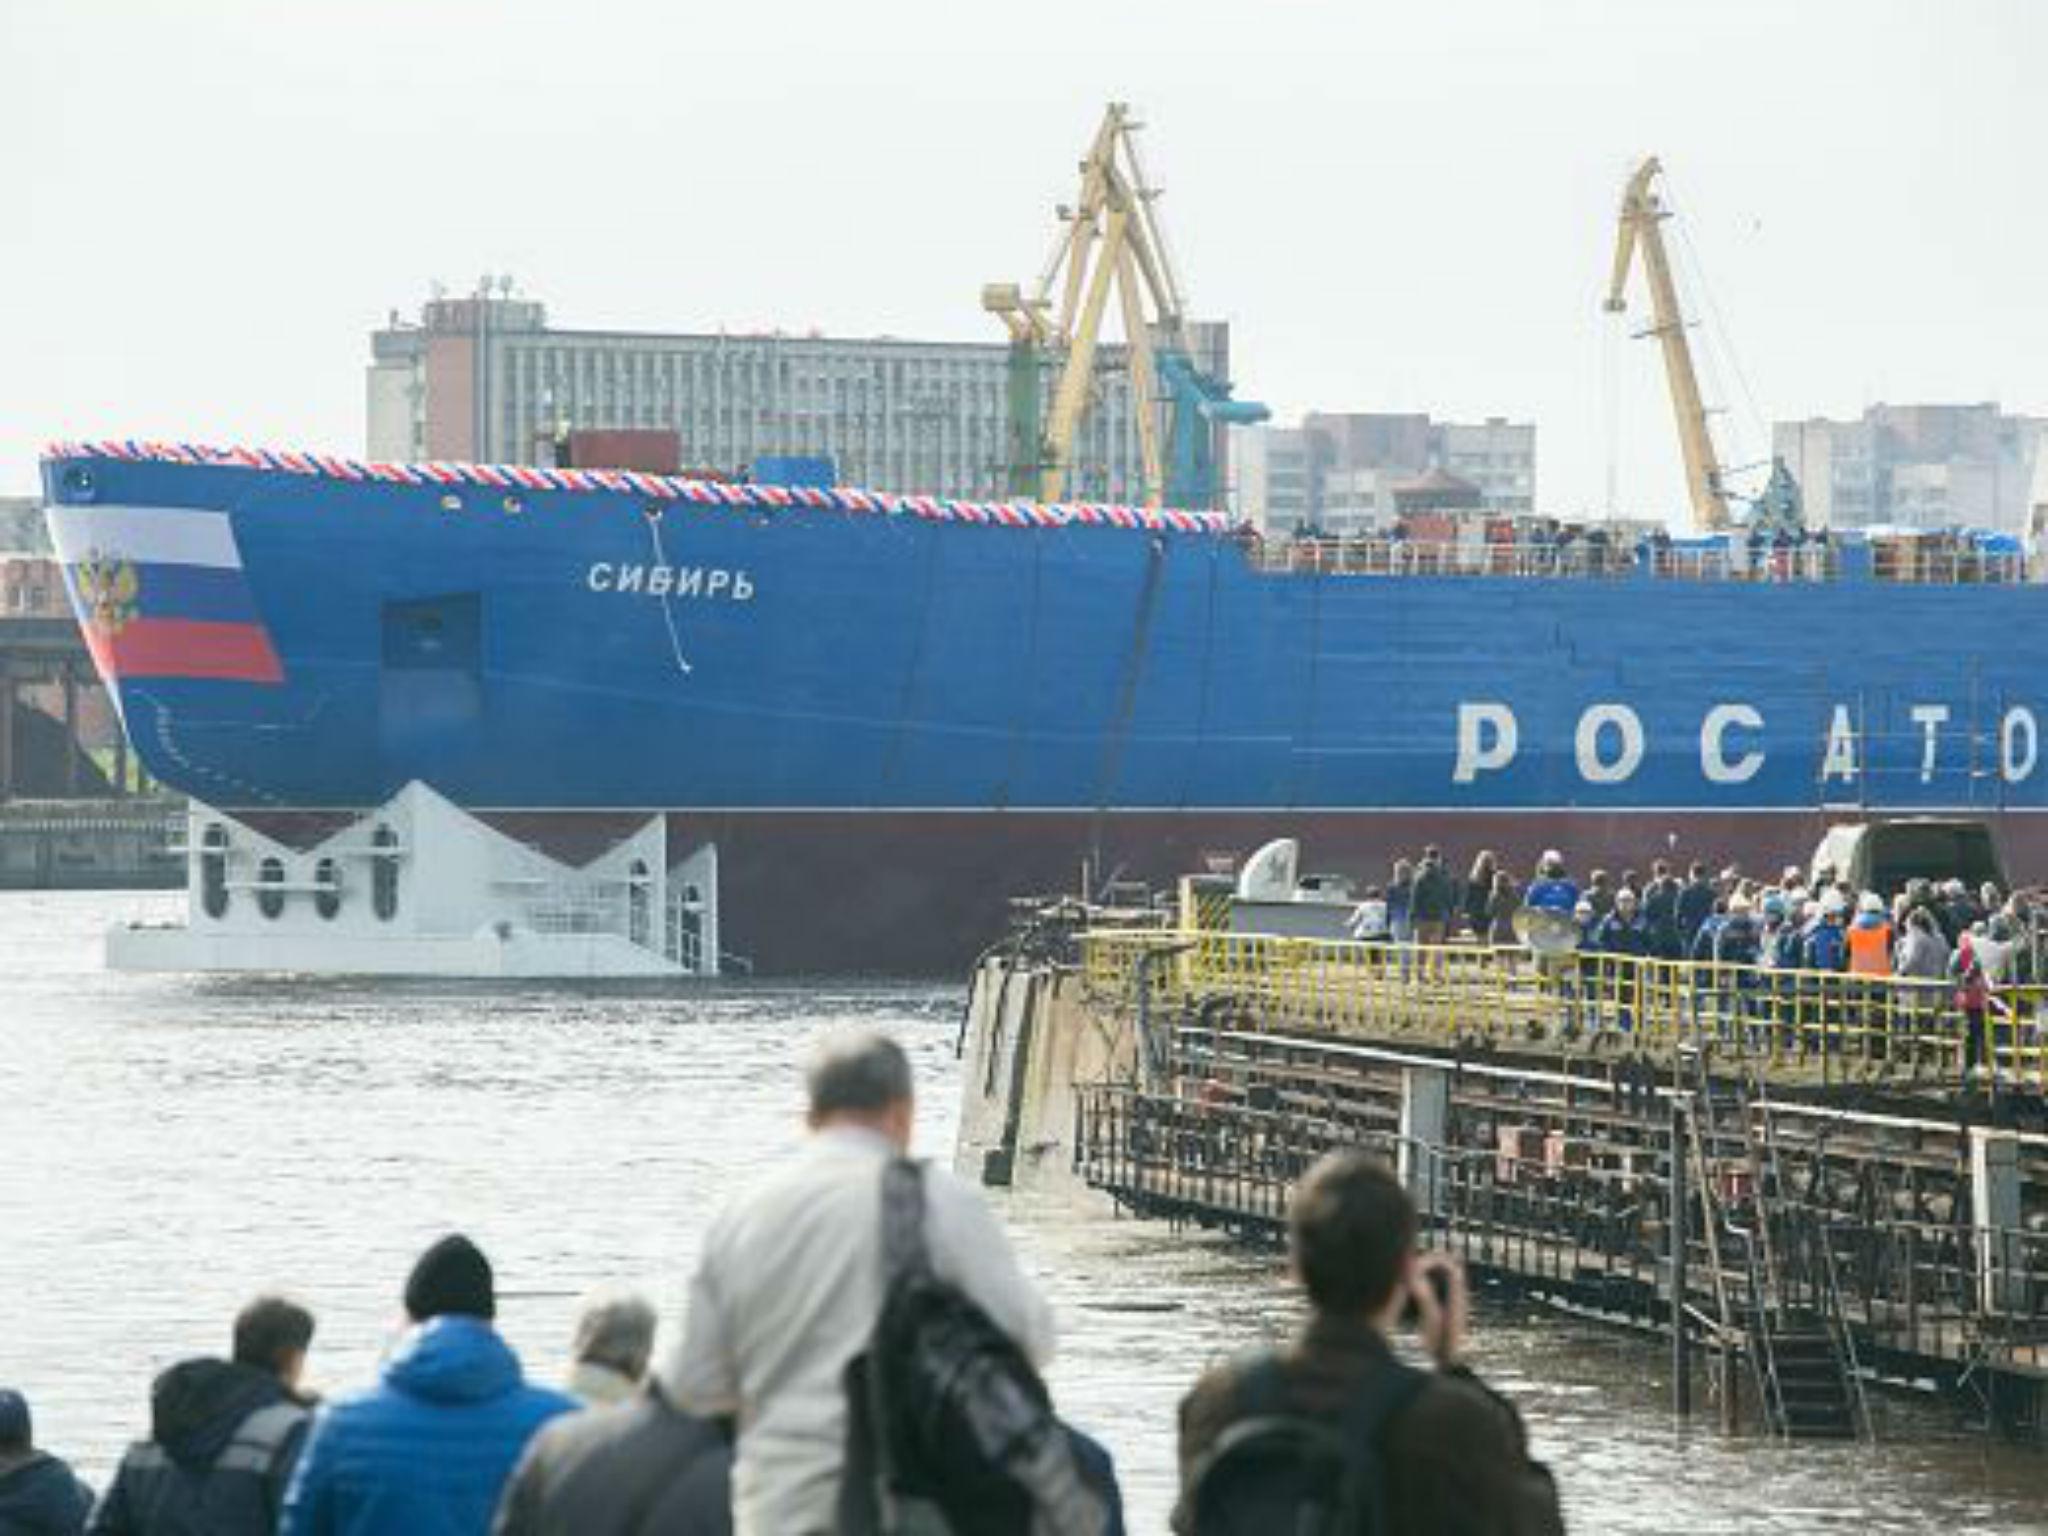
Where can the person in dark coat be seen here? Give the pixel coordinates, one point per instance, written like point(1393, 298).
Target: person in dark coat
point(1454, 1460)
point(1622, 931)
point(39, 1494)
point(224, 1437)
point(1434, 899)
point(1616, 984)
point(1600, 892)
point(1476, 899)
point(1501, 908)
point(1695, 904)
point(1660, 912)
point(426, 1451)
point(641, 1466)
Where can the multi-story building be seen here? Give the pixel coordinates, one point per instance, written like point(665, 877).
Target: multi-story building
point(1915, 466)
point(1279, 481)
point(1340, 471)
point(1497, 455)
point(486, 378)
point(21, 525)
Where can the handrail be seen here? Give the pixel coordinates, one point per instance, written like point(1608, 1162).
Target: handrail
point(1843, 1334)
point(1763, 1355)
point(1778, 1024)
point(1926, 561)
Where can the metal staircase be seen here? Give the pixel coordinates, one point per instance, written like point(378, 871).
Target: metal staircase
point(1776, 1281)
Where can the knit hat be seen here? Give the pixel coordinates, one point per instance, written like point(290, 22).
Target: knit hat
point(451, 1278)
point(15, 1426)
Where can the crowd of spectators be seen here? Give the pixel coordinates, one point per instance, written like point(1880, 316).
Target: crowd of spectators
point(1795, 922)
point(1948, 947)
point(763, 1418)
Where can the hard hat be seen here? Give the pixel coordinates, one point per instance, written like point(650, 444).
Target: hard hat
point(1774, 905)
point(1870, 901)
point(1738, 903)
point(1832, 904)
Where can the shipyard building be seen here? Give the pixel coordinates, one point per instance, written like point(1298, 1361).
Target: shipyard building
point(1916, 466)
point(486, 378)
point(1351, 472)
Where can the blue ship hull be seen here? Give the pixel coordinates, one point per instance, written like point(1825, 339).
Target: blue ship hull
point(893, 722)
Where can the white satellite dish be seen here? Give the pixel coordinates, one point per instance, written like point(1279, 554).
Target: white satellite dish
point(1270, 874)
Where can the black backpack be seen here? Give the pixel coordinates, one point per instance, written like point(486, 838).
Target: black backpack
point(949, 1426)
point(1278, 1472)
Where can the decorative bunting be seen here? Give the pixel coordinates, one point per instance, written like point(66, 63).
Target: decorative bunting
point(1004, 514)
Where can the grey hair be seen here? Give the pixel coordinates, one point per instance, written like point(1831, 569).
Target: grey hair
point(862, 1073)
point(616, 1328)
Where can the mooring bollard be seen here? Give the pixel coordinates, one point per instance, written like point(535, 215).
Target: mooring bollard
point(1679, 1221)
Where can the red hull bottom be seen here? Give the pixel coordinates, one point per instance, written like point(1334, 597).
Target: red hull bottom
point(920, 893)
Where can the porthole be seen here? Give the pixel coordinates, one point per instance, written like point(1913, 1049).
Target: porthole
point(638, 923)
point(327, 895)
point(270, 887)
point(213, 871)
point(384, 874)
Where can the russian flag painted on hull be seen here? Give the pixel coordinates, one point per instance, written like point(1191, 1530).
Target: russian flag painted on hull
point(160, 592)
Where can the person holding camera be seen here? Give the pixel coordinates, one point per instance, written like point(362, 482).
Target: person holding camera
point(1334, 1428)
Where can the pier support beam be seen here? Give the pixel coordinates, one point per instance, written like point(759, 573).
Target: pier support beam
point(6, 733)
point(1425, 1130)
point(1679, 1221)
point(1995, 1214)
point(72, 749)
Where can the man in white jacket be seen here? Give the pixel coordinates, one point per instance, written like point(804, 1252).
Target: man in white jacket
point(789, 1288)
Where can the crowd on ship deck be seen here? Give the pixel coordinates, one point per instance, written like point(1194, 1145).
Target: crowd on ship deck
point(859, 1353)
point(1941, 945)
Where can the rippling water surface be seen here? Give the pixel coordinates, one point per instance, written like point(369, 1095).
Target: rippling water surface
point(168, 1146)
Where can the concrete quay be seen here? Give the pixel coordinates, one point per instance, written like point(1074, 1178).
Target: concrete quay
point(126, 844)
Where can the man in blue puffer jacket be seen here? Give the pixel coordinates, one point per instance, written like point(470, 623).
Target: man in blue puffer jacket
point(427, 1451)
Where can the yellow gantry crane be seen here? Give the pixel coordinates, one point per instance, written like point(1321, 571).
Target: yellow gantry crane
point(1110, 243)
point(1642, 216)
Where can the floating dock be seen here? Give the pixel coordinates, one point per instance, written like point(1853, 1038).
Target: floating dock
point(1790, 1176)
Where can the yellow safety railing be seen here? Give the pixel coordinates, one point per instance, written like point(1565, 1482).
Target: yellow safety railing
point(1787, 1023)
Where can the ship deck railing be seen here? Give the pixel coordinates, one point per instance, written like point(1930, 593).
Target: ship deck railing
point(1928, 562)
point(1792, 1026)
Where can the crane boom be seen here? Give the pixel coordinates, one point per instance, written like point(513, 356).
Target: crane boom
point(1111, 245)
point(1642, 216)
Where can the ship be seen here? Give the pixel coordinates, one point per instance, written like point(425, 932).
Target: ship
point(894, 714)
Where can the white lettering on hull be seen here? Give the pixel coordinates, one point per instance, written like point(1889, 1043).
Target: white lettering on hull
point(1610, 743)
point(1714, 760)
point(2019, 745)
point(1839, 765)
point(1595, 766)
point(1487, 740)
point(710, 583)
point(1930, 718)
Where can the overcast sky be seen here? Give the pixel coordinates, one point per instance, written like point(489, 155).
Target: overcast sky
point(1405, 206)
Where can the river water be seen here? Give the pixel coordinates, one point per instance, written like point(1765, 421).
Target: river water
point(170, 1146)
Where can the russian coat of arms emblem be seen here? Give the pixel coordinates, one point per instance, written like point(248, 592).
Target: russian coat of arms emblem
point(106, 591)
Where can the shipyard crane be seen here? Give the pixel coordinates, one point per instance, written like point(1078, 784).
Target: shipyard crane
point(1111, 244)
point(1642, 216)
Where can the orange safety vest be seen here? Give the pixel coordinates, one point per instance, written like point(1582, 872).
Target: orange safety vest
point(1870, 950)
